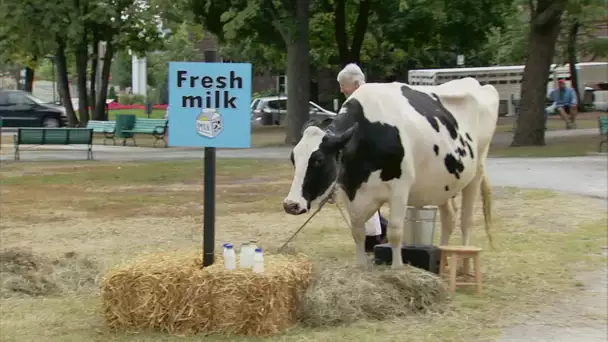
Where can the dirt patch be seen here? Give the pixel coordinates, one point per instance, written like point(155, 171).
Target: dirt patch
point(24, 273)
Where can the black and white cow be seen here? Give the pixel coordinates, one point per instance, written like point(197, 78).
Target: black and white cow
point(405, 145)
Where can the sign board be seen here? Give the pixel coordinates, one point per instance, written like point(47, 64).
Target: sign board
point(460, 60)
point(209, 104)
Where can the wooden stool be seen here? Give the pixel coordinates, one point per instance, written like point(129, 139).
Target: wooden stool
point(466, 253)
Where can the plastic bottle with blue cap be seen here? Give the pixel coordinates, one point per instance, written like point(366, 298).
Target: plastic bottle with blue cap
point(258, 261)
point(229, 257)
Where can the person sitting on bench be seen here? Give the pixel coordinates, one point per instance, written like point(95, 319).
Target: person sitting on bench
point(564, 103)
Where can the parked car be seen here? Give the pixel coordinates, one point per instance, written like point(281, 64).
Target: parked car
point(21, 109)
point(272, 110)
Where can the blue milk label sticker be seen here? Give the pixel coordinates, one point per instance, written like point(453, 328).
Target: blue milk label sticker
point(209, 123)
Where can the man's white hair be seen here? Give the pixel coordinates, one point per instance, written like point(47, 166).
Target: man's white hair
point(351, 75)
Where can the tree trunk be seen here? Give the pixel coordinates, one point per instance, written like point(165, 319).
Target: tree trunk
point(64, 85)
point(298, 74)
point(360, 30)
point(93, 75)
point(28, 82)
point(544, 29)
point(340, 31)
point(572, 60)
point(352, 54)
point(100, 105)
point(82, 60)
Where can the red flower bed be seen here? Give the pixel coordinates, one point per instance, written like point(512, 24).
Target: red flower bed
point(116, 106)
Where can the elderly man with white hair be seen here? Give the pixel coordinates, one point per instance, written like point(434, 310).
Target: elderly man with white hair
point(350, 78)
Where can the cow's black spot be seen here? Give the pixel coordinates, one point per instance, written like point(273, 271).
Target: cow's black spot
point(373, 147)
point(447, 188)
point(461, 152)
point(461, 141)
point(293, 162)
point(468, 137)
point(433, 123)
point(430, 106)
point(436, 149)
point(453, 165)
point(470, 150)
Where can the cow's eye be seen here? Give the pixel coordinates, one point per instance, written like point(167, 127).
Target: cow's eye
point(317, 160)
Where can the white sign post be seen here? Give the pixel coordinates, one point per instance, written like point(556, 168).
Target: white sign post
point(460, 60)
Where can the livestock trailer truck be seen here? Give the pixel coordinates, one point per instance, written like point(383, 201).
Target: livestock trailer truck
point(507, 79)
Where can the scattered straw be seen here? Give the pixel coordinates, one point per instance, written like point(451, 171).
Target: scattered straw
point(24, 273)
point(172, 293)
point(342, 295)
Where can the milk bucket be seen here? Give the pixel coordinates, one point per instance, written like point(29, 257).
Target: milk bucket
point(422, 225)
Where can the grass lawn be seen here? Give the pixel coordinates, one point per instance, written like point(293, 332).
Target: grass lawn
point(557, 147)
point(584, 120)
point(92, 215)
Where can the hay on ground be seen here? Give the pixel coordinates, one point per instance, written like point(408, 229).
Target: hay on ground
point(24, 273)
point(171, 293)
point(343, 295)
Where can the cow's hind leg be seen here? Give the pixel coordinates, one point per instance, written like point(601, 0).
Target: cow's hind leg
point(469, 196)
point(397, 216)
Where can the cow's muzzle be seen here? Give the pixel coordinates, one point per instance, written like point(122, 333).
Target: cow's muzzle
point(293, 208)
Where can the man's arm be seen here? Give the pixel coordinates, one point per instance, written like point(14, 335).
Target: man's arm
point(573, 99)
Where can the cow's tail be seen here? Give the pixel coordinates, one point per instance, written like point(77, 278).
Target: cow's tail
point(486, 197)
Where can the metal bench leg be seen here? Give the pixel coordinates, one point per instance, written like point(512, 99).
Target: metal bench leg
point(605, 141)
point(16, 151)
point(90, 152)
point(124, 141)
point(107, 136)
point(161, 138)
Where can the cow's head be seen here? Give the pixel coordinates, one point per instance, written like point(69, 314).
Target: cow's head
point(315, 167)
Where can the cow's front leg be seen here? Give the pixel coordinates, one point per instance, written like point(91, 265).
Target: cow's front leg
point(394, 231)
point(357, 228)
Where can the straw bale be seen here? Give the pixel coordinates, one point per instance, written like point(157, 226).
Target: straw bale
point(172, 293)
point(341, 295)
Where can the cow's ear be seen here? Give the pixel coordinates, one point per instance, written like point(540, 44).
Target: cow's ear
point(311, 122)
point(333, 143)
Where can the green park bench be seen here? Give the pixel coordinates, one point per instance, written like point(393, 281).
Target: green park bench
point(603, 125)
point(54, 136)
point(107, 128)
point(155, 127)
